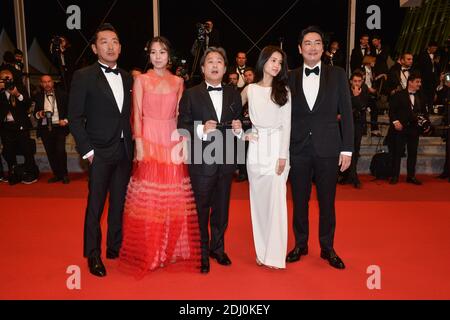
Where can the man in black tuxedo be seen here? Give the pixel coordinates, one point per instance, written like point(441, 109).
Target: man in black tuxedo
point(404, 107)
point(204, 111)
point(14, 128)
point(318, 143)
point(51, 113)
point(428, 64)
point(99, 117)
point(359, 52)
point(399, 73)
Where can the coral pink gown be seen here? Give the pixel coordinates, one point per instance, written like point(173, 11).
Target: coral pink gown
point(160, 226)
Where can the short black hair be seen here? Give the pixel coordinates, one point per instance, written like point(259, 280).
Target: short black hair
point(310, 29)
point(357, 73)
point(104, 27)
point(414, 75)
point(219, 50)
point(377, 36)
point(433, 43)
point(18, 51)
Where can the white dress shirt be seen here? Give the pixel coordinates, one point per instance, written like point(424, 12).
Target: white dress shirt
point(311, 85)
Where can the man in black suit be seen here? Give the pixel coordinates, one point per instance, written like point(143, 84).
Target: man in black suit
point(99, 117)
point(14, 128)
point(404, 107)
point(399, 73)
point(204, 111)
point(359, 52)
point(51, 113)
point(318, 143)
point(429, 70)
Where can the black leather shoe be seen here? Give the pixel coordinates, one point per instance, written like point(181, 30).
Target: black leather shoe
point(241, 178)
point(332, 258)
point(204, 268)
point(394, 180)
point(54, 179)
point(413, 180)
point(221, 258)
point(296, 253)
point(65, 180)
point(112, 254)
point(96, 266)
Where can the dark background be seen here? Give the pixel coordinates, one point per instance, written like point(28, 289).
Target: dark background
point(133, 20)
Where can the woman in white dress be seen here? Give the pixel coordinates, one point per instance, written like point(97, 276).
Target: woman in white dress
point(269, 103)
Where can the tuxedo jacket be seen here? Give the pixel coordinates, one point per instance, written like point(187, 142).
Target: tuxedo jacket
point(61, 104)
point(426, 66)
point(95, 120)
point(394, 77)
point(356, 58)
point(19, 112)
point(329, 137)
point(401, 109)
point(196, 108)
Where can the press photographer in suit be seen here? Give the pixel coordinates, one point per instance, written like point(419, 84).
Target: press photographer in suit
point(14, 128)
point(404, 108)
point(51, 113)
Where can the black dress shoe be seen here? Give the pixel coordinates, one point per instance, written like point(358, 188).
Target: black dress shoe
point(54, 179)
point(296, 253)
point(96, 266)
point(221, 258)
point(394, 180)
point(204, 268)
point(242, 177)
point(413, 180)
point(332, 258)
point(112, 254)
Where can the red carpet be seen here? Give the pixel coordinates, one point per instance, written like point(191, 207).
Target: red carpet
point(403, 229)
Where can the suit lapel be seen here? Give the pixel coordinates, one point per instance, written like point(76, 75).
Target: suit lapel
point(208, 102)
point(225, 105)
point(105, 87)
point(302, 93)
point(322, 86)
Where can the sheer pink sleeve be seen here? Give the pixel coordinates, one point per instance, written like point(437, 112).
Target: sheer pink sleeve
point(138, 94)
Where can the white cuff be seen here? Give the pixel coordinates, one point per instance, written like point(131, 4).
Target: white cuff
point(346, 153)
point(200, 134)
point(87, 155)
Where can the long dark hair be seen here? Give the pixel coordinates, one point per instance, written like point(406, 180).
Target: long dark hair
point(279, 83)
point(165, 43)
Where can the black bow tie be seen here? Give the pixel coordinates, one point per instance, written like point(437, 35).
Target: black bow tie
point(412, 93)
point(214, 89)
point(109, 69)
point(405, 69)
point(309, 71)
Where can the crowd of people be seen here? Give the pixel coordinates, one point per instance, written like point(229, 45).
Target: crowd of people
point(166, 152)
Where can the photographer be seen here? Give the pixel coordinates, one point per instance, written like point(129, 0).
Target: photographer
point(360, 99)
point(405, 107)
point(51, 114)
point(443, 94)
point(62, 57)
point(14, 129)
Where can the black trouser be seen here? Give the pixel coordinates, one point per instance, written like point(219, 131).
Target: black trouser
point(106, 175)
point(408, 137)
point(303, 166)
point(447, 155)
point(212, 197)
point(16, 142)
point(55, 146)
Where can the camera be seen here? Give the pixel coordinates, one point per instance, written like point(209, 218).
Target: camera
point(9, 84)
point(183, 68)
